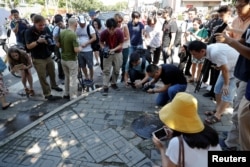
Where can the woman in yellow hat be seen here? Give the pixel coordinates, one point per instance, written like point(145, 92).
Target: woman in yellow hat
point(181, 118)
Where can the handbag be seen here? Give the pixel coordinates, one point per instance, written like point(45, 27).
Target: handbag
point(181, 162)
point(2, 65)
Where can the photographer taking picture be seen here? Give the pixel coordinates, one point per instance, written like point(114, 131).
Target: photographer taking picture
point(173, 79)
point(185, 130)
point(111, 41)
point(39, 41)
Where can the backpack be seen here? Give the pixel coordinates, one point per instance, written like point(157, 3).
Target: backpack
point(94, 45)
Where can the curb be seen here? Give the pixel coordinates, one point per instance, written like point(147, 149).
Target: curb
point(46, 116)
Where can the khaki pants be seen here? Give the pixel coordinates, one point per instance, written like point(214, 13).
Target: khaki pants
point(44, 67)
point(115, 61)
point(244, 124)
point(70, 69)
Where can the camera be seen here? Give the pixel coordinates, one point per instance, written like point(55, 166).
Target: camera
point(49, 39)
point(55, 58)
point(145, 87)
point(105, 52)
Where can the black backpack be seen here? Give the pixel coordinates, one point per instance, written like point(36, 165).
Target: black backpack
point(94, 45)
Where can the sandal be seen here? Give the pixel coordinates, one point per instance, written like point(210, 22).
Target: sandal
point(211, 120)
point(31, 93)
point(210, 113)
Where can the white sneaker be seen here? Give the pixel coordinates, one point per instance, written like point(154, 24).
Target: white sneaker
point(203, 85)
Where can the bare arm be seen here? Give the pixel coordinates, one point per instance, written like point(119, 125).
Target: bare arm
point(126, 33)
point(237, 45)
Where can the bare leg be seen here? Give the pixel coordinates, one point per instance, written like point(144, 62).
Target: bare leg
point(199, 69)
point(85, 72)
point(30, 79)
point(97, 56)
point(193, 70)
point(91, 73)
point(24, 79)
point(221, 108)
point(3, 101)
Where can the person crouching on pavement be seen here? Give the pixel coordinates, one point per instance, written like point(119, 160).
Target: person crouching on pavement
point(185, 129)
point(135, 69)
point(70, 47)
point(111, 41)
point(173, 79)
point(20, 61)
point(39, 41)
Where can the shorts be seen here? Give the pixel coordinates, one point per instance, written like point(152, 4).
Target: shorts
point(196, 61)
point(85, 58)
point(232, 89)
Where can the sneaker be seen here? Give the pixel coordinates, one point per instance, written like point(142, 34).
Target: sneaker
point(31, 92)
point(88, 81)
point(50, 97)
point(66, 97)
point(224, 147)
point(105, 92)
point(58, 89)
point(115, 87)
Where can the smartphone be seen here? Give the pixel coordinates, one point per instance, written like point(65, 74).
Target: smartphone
point(160, 134)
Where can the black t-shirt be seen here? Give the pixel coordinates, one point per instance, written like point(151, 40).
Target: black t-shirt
point(172, 75)
point(41, 51)
point(168, 28)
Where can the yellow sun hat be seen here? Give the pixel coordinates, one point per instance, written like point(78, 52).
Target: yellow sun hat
point(181, 114)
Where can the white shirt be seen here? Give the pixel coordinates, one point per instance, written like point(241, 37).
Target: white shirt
point(221, 54)
point(193, 157)
point(83, 36)
point(154, 36)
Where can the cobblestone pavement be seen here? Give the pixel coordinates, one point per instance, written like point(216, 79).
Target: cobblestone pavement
point(94, 131)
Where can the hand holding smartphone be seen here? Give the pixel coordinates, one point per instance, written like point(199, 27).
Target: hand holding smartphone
point(160, 134)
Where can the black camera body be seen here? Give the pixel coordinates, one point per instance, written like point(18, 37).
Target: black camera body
point(49, 39)
point(145, 88)
point(55, 58)
point(105, 52)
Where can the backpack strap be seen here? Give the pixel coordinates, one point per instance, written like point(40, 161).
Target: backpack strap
point(88, 31)
point(143, 64)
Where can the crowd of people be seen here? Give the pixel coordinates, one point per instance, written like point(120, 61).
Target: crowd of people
point(118, 46)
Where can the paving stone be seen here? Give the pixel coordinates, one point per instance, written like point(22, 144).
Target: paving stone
point(47, 160)
point(91, 141)
point(85, 156)
point(88, 120)
point(136, 141)
point(75, 124)
point(59, 131)
point(82, 132)
point(131, 157)
point(69, 163)
point(98, 128)
point(127, 134)
point(108, 135)
point(119, 144)
point(99, 121)
point(11, 157)
point(29, 160)
point(69, 116)
point(89, 164)
point(155, 154)
point(146, 163)
point(53, 122)
point(24, 143)
point(101, 152)
point(115, 159)
point(67, 141)
point(38, 132)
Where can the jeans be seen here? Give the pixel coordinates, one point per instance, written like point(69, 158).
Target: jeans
point(134, 75)
point(169, 94)
point(134, 48)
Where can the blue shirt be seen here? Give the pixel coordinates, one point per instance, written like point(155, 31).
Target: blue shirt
point(242, 68)
point(135, 32)
point(23, 25)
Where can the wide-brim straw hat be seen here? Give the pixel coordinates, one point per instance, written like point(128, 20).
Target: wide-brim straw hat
point(181, 114)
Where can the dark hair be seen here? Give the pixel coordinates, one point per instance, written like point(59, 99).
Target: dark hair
point(151, 19)
point(14, 11)
point(22, 57)
point(152, 68)
point(224, 9)
point(198, 20)
point(196, 46)
point(192, 9)
point(32, 15)
point(38, 19)
point(202, 140)
point(134, 57)
point(168, 10)
point(111, 23)
point(98, 21)
point(135, 14)
point(58, 18)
